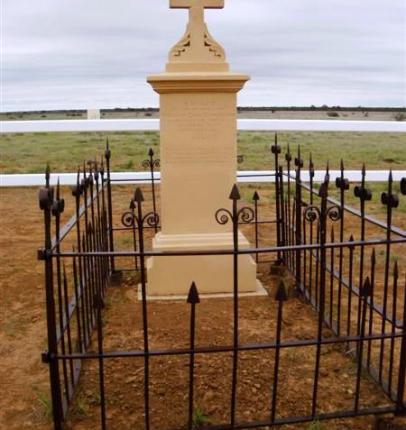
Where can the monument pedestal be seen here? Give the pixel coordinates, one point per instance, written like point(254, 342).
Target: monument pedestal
point(212, 273)
point(198, 170)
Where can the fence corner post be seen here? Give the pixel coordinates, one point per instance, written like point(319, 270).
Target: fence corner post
point(46, 200)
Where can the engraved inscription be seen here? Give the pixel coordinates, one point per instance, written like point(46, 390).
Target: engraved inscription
point(199, 133)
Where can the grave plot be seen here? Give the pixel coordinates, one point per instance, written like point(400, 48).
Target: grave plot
point(324, 339)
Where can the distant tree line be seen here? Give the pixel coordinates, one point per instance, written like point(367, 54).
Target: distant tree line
point(323, 108)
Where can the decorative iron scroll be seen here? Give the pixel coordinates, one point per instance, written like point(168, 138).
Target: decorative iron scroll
point(245, 215)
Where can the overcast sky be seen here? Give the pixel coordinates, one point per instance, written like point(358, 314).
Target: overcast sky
point(62, 54)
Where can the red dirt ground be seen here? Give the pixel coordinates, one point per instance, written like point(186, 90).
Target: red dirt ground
point(24, 379)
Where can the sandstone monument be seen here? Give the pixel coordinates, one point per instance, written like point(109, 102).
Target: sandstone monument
point(198, 162)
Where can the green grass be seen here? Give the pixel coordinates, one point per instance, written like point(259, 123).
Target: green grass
point(199, 418)
point(45, 404)
point(29, 153)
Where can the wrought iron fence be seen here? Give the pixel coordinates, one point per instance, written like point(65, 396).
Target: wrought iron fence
point(329, 247)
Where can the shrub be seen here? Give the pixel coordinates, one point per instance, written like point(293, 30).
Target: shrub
point(400, 116)
point(333, 114)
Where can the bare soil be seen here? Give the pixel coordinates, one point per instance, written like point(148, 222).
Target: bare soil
point(25, 401)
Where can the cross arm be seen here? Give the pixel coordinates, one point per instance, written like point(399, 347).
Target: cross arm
point(187, 4)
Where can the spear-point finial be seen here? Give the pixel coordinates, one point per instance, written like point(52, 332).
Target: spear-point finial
point(366, 289)
point(151, 152)
point(390, 178)
point(132, 204)
point(281, 295)
point(193, 296)
point(342, 166)
point(235, 193)
point(107, 152)
point(255, 197)
point(138, 196)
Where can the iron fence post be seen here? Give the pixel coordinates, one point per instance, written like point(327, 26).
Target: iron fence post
point(276, 150)
point(281, 297)
point(391, 201)
point(343, 185)
point(107, 156)
point(322, 215)
point(365, 293)
point(255, 197)
point(223, 216)
point(298, 224)
point(282, 205)
point(235, 196)
point(400, 402)
point(151, 164)
point(46, 197)
point(193, 299)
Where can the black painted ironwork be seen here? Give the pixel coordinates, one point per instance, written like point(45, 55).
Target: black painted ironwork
point(336, 273)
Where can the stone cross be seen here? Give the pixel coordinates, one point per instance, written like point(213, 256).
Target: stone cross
point(196, 16)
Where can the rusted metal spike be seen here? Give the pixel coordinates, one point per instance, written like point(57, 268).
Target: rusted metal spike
point(74, 263)
point(366, 289)
point(373, 257)
point(288, 155)
point(138, 196)
point(101, 169)
point(323, 189)
point(65, 280)
point(255, 197)
point(84, 175)
point(403, 186)
point(47, 175)
point(396, 270)
point(193, 296)
point(235, 193)
point(58, 189)
point(281, 295)
point(107, 152)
